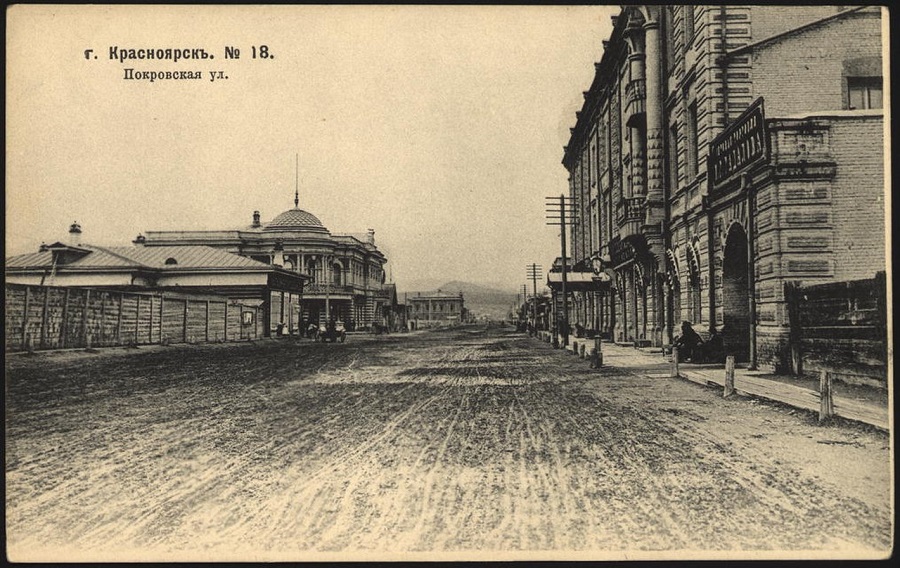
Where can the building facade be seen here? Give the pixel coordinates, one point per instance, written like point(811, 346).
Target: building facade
point(436, 308)
point(169, 293)
point(721, 153)
point(347, 271)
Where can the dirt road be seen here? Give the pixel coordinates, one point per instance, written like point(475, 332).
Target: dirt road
point(477, 440)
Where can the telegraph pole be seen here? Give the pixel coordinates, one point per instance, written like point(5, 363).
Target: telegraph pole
point(533, 271)
point(556, 214)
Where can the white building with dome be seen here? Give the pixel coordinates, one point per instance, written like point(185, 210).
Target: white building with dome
point(347, 270)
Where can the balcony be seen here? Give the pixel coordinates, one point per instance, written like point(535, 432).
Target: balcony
point(630, 216)
point(317, 289)
point(635, 102)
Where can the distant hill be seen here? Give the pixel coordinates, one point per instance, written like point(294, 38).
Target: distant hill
point(479, 299)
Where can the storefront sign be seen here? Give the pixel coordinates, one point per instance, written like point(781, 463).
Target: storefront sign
point(742, 144)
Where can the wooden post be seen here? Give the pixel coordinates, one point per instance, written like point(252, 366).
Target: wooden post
point(119, 322)
point(161, 302)
point(674, 365)
point(184, 333)
point(25, 315)
point(207, 321)
point(64, 324)
point(44, 317)
point(596, 354)
point(137, 319)
point(826, 407)
point(102, 317)
point(84, 317)
point(729, 376)
point(226, 320)
point(793, 297)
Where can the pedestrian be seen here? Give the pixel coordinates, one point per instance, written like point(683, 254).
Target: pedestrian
point(688, 343)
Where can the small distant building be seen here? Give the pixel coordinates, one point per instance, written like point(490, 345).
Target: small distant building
point(427, 309)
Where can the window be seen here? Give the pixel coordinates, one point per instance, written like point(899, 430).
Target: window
point(864, 92)
point(691, 139)
point(688, 26)
point(673, 159)
point(668, 28)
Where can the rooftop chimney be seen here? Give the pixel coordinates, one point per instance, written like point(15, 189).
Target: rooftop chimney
point(256, 222)
point(370, 236)
point(43, 247)
point(140, 240)
point(75, 234)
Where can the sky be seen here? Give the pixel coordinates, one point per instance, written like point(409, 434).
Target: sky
point(441, 128)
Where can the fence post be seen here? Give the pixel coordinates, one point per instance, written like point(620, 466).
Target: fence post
point(729, 376)
point(793, 296)
point(674, 366)
point(826, 406)
point(29, 343)
point(184, 329)
point(25, 315)
point(596, 354)
point(84, 317)
point(119, 321)
point(103, 296)
point(44, 316)
point(137, 319)
point(64, 326)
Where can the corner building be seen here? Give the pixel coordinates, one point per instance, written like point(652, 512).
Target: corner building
point(721, 153)
point(347, 271)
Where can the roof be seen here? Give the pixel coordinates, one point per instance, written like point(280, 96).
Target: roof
point(432, 295)
point(185, 257)
point(296, 219)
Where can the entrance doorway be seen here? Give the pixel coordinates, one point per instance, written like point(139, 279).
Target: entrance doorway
point(736, 295)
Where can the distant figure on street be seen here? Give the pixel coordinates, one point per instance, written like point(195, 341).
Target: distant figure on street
point(689, 343)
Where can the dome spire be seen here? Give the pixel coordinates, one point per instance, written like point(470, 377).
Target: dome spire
point(297, 182)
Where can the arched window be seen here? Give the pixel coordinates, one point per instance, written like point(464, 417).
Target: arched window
point(171, 261)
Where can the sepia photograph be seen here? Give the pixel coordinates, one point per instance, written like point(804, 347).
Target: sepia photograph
point(314, 283)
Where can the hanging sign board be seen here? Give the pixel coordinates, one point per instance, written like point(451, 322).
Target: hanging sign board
point(739, 146)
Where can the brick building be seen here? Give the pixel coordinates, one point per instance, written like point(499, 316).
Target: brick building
point(721, 152)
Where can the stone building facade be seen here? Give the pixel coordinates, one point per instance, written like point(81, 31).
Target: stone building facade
point(347, 271)
point(721, 152)
point(436, 308)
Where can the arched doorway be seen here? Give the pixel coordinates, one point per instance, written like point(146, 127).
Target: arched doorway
point(736, 295)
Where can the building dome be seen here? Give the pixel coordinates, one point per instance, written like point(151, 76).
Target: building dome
point(296, 220)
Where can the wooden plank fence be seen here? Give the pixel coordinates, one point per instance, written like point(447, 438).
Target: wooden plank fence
point(50, 317)
point(840, 327)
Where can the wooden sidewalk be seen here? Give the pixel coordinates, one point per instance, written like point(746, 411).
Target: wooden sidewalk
point(750, 383)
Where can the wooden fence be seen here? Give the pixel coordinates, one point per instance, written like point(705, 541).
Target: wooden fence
point(840, 327)
point(49, 317)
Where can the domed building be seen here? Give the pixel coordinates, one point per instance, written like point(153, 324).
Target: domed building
point(347, 270)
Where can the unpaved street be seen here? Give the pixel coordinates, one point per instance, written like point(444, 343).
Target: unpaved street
point(469, 440)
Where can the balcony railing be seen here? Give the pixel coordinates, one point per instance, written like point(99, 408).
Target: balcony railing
point(635, 97)
point(630, 216)
point(316, 288)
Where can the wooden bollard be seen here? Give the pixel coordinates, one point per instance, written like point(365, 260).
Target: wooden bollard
point(29, 343)
point(674, 366)
point(729, 376)
point(596, 354)
point(581, 350)
point(826, 398)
